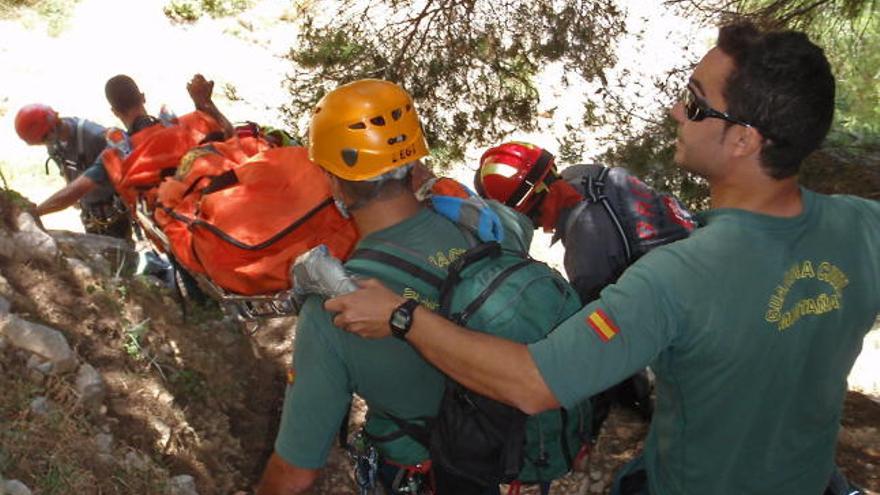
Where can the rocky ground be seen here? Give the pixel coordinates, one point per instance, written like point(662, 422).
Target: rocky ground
point(110, 387)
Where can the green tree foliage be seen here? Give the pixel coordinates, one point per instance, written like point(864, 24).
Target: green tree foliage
point(192, 10)
point(55, 13)
point(470, 64)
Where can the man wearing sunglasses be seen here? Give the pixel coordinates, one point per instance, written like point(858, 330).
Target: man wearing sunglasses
point(751, 324)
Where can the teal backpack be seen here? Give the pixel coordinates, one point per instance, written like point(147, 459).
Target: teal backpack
point(508, 294)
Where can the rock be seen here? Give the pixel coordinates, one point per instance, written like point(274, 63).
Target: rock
point(90, 387)
point(104, 443)
point(81, 271)
point(36, 377)
point(163, 430)
point(104, 255)
point(102, 267)
point(41, 406)
point(2, 342)
point(595, 474)
point(15, 487)
point(5, 287)
point(597, 487)
point(5, 306)
point(182, 485)
point(32, 242)
point(136, 461)
point(39, 365)
point(228, 337)
point(7, 245)
point(41, 340)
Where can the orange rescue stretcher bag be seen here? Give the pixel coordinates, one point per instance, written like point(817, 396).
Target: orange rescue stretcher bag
point(137, 166)
point(243, 224)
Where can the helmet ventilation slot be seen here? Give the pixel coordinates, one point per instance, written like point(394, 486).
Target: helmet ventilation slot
point(399, 139)
point(349, 156)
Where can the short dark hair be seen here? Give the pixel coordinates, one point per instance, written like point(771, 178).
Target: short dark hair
point(122, 93)
point(782, 84)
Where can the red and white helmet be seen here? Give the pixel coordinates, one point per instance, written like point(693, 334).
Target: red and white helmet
point(33, 123)
point(513, 173)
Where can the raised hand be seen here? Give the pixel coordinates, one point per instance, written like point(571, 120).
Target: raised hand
point(200, 90)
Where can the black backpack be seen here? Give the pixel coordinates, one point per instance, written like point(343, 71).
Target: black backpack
point(497, 291)
point(620, 219)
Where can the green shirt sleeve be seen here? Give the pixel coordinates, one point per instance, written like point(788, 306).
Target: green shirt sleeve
point(871, 211)
point(610, 339)
point(317, 400)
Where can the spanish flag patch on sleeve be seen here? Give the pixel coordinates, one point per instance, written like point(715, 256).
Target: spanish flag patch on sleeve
point(602, 325)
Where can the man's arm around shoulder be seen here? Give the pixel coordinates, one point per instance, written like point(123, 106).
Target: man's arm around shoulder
point(501, 369)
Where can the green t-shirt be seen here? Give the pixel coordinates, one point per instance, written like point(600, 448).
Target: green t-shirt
point(330, 365)
point(751, 326)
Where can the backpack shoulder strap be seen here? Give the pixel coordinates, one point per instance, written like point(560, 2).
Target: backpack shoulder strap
point(421, 433)
point(463, 316)
point(453, 277)
point(80, 145)
point(388, 259)
point(595, 192)
point(379, 253)
point(594, 187)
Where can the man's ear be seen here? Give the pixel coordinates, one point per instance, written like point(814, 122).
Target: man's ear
point(747, 141)
point(143, 99)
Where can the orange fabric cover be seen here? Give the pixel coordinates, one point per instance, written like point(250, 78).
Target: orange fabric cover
point(156, 151)
point(245, 236)
point(445, 186)
point(181, 193)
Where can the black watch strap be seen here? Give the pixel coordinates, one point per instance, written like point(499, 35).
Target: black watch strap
point(401, 318)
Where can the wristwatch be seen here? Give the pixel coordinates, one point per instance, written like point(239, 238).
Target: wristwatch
point(402, 318)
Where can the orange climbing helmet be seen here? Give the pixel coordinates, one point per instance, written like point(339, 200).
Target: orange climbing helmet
point(361, 130)
point(34, 122)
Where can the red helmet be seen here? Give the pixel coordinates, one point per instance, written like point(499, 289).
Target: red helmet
point(33, 123)
point(513, 173)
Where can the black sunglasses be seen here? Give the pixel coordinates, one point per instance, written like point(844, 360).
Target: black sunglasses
point(696, 109)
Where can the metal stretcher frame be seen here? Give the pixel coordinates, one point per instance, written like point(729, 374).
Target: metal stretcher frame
point(243, 308)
